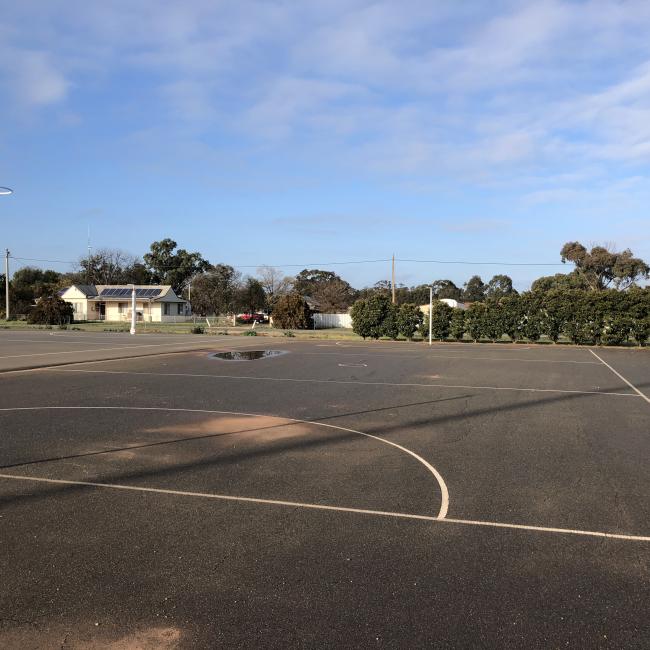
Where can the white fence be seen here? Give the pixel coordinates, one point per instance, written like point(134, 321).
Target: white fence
point(325, 321)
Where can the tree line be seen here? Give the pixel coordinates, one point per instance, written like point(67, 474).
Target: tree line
point(606, 317)
point(222, 289)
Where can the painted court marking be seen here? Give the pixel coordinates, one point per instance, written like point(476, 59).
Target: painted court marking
point(315, 506)
point(444, 492)
point(425, 355)
point(123, 347)
point(337, 381)
point(620, 376)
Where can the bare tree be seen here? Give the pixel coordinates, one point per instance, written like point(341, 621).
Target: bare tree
point(275, 283)
point(108, 266)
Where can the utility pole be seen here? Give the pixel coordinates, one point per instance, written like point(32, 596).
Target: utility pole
point(393, 280)
point(7, 284)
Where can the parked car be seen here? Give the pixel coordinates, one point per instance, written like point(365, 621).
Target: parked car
point(251, 318)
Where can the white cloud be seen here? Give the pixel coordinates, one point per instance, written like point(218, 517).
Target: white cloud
point(33, 77)
point(475, 92)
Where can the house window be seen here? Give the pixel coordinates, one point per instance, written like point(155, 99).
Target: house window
point(122, 307)
point(167, 309)
point(179, 308)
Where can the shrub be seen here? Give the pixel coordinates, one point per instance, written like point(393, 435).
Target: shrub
point(440, 320)
point(291, 312)
point(51, 310)
point(512, 310)
point(475, 320)
point(368, 316)
point(390, 324)
point(409, 319)
point(530, 314)
point(457, 323)
point(585, 324)
point(289, 334)
point(494, 320)
point(531, 327)
point(250, 333)
point(198, 329)
point(616, 329)
point(555, 313)
point(641, 330)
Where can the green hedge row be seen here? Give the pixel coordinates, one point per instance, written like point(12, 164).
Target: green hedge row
point(584, 317)
point(376, 316)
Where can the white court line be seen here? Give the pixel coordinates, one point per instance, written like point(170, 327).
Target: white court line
point(423, 345)
point(444, 492)
point(126, 339)
point(124, 347)
point(620, 376)
point(337, 381)
point(54, 340)
point(424, 355)
point(316, 506)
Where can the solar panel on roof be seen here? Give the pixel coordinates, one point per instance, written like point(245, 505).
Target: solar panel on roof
point(125, 292)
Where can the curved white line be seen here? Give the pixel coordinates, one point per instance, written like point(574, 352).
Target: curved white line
point(444, 493)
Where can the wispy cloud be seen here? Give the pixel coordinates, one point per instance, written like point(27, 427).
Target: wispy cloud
point(35, 77)
point(471, 93)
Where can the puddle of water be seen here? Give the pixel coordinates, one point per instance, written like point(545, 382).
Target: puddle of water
point(247, 355)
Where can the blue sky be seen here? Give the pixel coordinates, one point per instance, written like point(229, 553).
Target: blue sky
point(317, 131)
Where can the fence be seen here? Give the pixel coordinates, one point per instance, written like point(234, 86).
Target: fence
point(326, 321)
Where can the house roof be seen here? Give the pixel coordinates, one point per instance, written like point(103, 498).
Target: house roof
point(89, 290)
point(122, 292)
point(314, 305)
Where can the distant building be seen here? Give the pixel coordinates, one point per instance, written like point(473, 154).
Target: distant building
point(448, 301)
point(112, 302)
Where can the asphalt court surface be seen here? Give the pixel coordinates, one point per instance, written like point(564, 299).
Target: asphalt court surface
point(339, 495)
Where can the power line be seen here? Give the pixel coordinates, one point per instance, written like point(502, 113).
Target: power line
point(36, 259)
point(474, 263)
point(340, 263)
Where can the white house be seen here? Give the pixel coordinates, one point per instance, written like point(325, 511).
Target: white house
point(112, 302)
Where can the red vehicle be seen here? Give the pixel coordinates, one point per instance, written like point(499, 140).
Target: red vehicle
point(251, 318)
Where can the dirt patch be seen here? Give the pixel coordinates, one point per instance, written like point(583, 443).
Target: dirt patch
point(262, 428)
point(91, 638)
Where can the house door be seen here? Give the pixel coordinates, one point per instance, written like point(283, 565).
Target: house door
point(102, 311)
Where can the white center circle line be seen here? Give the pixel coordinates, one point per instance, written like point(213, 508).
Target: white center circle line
point(444, 492)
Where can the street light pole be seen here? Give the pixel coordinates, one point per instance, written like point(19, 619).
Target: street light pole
point(7, 284)
point(4, 191)
point(430, 312)
point(133, 314)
